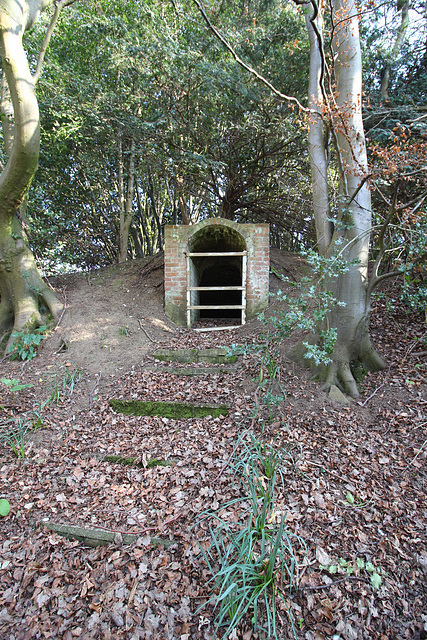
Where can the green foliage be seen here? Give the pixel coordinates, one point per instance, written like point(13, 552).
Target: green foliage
point(13, 434)
point(15, 385)
point(414, 291)
point(65, 387)
point(308, 305)
point(124, 330)
point(360, 565)
point(408, 80)
point(4, 507)
point(25, 343)
point(201, 126)
point(255, 561)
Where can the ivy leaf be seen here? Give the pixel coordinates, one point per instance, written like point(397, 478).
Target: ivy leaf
point(4, 507)
point(349, 497)
point(376, 580)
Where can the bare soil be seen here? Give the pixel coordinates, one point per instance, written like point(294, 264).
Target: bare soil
point(355, 483)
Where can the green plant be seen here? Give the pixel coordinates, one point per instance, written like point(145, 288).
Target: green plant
point(37, 414)
point(65, 387)
point(254, 561)
point(15, 436)
point(4, 507)
point(124, 330)
point(15, 384)
point(25, 343)
point(307, 308)
point(342, 566)
point(354, 501)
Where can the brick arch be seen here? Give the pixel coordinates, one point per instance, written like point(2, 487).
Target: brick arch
point(217, 235)
point(210, 236)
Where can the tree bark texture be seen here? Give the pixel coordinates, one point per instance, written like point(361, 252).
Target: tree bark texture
point(355, 215)
point(349, 236)
point(22, 290)
point(317, 135)
point(126, 193)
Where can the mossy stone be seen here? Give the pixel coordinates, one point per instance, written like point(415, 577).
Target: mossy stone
point(209, 356)
point(171, 410)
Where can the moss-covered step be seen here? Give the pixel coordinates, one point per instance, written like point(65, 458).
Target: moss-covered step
point(213, 356)
point(99, 537)
point(172, 410)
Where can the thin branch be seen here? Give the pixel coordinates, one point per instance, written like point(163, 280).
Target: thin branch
point(419, 451)
point(382, 249)
point(365, 402)
point(243, 64)
point(46, 40)
point(94, 389)
point(369, 175)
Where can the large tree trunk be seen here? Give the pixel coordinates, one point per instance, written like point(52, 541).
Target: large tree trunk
point(350, 236)
point(317, 134)
point(22, 290)
point(353, 229)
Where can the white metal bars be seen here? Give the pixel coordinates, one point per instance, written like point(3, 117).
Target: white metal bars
point(191, 288)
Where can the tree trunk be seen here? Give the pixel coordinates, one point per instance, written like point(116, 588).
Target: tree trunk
point(22, 290)
point(317, 137)
point(349, 236)
point(392, 55)
point(143, 223)
point(353, 228)
point(125, 199)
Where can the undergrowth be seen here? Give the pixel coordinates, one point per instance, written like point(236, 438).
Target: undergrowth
point(15, 430)
point(253, 562)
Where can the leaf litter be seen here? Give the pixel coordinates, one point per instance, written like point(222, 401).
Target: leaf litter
point(355, 491)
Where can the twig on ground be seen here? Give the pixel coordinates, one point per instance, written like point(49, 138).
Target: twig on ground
point(143, 329)
point(140, 532)
point(322, 466)
point(415, 457)
point(63, 309)
point(94, 388)
point(362, 404)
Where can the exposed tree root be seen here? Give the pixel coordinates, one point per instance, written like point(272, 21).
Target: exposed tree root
point(25, 299)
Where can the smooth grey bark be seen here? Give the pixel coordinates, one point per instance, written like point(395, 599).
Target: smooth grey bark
point(352, 228)
point(22, 290)
point(392, 55)
point(317, 135)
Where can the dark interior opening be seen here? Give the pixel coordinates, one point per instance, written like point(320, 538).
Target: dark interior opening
point(217, 271)
point(221, 272)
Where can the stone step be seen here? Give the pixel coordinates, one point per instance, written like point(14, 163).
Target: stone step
point(193, 371)
point(191, 356)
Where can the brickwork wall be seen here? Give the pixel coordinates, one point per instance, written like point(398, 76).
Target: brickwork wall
point(255, 237)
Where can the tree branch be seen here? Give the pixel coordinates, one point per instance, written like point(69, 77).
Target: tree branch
point(242, 63)
point(46, 40)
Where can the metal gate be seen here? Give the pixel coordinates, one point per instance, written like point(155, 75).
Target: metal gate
point(191, 288)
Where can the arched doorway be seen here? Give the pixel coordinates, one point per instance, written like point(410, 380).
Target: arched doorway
point(216, 275)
